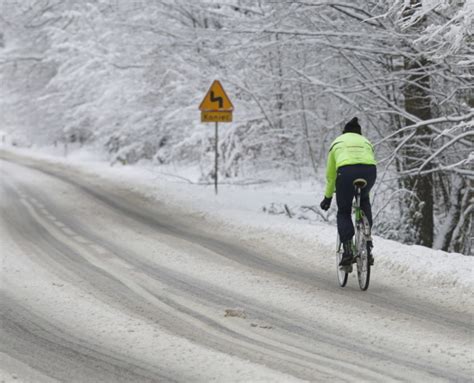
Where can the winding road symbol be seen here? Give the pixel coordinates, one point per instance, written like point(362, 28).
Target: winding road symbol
point(218, 99)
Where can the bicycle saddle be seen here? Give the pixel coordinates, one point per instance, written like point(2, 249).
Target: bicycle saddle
point(360, 183)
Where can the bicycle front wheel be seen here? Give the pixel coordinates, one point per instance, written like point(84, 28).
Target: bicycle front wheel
point(341, 274)
point(363, 264)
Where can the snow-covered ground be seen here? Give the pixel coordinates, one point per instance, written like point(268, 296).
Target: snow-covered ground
point(245, 209)
point(224, 291)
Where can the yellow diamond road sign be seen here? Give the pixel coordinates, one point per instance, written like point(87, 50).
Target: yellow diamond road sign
point(216, 106)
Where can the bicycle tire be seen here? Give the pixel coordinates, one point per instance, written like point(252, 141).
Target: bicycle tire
point(363, 265)
point(341, 274)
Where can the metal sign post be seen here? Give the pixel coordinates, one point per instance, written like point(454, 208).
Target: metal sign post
point(216, 107)
point(216, 167)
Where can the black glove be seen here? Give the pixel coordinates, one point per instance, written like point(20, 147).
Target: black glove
point(325, 203)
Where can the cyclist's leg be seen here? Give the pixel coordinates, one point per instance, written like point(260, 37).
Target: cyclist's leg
point(344, 197)
point(369, 173)
point(345, 226)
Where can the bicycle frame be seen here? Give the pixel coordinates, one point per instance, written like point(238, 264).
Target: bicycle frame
point(362, 234)
point(357, 209)
point(358, 219)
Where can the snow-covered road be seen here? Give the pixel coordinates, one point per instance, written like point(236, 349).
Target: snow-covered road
point(101, 283)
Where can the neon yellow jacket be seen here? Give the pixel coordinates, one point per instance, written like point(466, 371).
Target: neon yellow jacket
point(347, 149)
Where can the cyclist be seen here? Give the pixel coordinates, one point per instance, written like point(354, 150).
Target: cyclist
point(351, 156)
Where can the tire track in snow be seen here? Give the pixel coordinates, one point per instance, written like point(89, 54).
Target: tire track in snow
point(298, 362)
point(105, 277)
point(48, 351)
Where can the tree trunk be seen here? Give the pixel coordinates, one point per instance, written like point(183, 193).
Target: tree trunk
point(445, 234)
point(463, 234)
point(417, 103)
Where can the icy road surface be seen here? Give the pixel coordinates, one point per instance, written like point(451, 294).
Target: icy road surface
point(101, 284)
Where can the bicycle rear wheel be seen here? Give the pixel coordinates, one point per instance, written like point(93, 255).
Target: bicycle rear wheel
point(363, 264)
point(341, 274)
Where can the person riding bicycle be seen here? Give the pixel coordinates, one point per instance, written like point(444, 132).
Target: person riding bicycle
point(351, 156)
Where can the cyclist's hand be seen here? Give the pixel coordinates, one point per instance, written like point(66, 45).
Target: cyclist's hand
point(325, 203)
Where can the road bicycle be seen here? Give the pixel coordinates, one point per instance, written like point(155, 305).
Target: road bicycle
point(362, 235)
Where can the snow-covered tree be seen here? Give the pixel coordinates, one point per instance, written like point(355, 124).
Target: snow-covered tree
point(128, 76)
